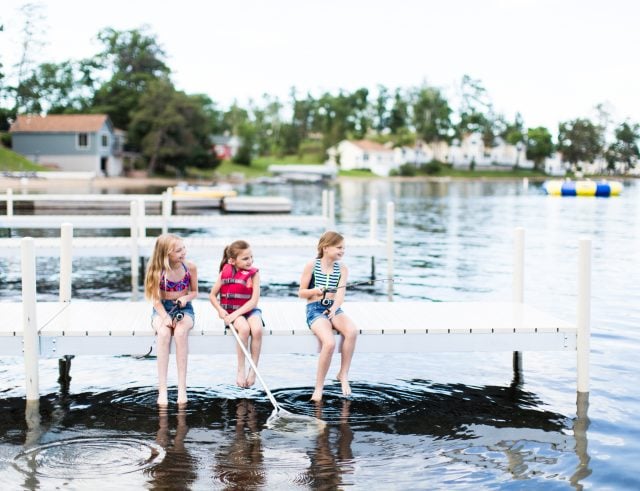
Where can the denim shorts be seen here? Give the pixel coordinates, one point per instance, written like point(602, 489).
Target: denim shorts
point(251, 313)
point(316, 310)
point(170, 304)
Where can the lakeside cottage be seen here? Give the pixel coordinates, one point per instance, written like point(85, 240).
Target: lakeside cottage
point(382, 159)
point(70, 142)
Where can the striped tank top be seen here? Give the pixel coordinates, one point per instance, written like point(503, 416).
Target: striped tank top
point(322, 280)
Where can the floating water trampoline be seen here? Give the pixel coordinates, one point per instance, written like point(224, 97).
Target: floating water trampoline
point(582, 188)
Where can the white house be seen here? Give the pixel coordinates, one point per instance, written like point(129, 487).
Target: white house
point(69, 142)
point(362, 154)
point(472, 150)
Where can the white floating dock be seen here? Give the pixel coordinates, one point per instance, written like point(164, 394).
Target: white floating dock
point(257, 204)
point(123, 327)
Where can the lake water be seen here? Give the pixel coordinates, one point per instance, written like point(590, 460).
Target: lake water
point(437, 421)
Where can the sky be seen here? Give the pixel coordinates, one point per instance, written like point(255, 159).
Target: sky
point(549, 60)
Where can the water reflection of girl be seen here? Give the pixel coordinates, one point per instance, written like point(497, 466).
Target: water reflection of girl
point(177, 470)
point(240, 463)
point(332, 457)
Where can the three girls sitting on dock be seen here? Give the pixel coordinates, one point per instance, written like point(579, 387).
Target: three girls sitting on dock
point(171, 284)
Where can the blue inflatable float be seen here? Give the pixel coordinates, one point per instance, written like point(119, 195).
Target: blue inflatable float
point(582, 188)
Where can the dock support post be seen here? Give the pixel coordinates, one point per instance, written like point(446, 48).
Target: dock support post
point(9, 202)
point(66, 241)
point(66, 244)
point(134, 250)
point(584, 314)
point(390, 236)
point(518, 284)
point(29, 320)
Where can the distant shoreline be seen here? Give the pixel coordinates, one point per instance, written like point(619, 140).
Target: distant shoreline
point(18, 184)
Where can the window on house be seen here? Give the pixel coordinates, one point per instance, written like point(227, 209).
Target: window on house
point(365, 157)
point(105, 140)
point(83, 140)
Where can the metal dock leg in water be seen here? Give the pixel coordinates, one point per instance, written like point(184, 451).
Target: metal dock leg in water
point(64, 367)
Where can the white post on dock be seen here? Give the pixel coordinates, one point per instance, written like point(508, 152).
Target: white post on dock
point(142, 227)
point(9, 202)
point(389, 243)
point(518, 265)
point(584, 314)
point(373, 219)
point(167, 204)
point(325, 203)
point(332, 208)
point(525, 183)
point(66, 255)
point(134, 249)
point(29, 320)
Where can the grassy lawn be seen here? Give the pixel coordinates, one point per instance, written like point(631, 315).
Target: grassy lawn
point(11, 161)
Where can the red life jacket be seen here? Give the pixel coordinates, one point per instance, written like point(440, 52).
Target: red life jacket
point(236, 288)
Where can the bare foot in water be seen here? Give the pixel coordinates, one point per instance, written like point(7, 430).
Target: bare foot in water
point(346, 388)
point(182, 397)
point(163, 399)
point(317, 395)
point(251, 378)
point(241, 380)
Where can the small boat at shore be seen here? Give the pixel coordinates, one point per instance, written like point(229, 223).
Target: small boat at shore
point(256, 204)
point(582, 188)
point(188, 196)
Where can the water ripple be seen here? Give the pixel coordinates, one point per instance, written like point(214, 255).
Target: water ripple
point(89, 458)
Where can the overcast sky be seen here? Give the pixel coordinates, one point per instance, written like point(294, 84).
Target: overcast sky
point(550, 60)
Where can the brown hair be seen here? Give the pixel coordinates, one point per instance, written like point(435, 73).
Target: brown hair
point(159, 261)
point(329, 239)
point(233, 250)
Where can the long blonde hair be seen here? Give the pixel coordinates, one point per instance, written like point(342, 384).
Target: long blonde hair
point(329, 239)
point(158, 262)
point(232, 251)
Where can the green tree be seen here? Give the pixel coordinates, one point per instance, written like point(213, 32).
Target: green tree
point(580, 140)
point(170, 128)
point(399, 115)
point(381, 110)
point(539, 146)
point(135, 59)
point(431, 114)
point(625, 148)
point(476, 111)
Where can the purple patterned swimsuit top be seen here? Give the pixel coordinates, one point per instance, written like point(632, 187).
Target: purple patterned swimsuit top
point(175, 286)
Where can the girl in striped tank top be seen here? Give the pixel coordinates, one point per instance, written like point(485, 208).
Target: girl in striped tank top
point(323, 286)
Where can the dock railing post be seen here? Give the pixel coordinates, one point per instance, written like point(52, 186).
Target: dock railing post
point(142, 227)
point(584, 314)
point(518, 286)
point(134, 249)
point(325, 203)
point(167, 198)
point(9, 202)
point(373, 219)
point(66, 254)
point(29, 319)
point(332, 208)
point(389, 244)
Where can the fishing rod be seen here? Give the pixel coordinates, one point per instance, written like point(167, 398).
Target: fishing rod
point(327, 302)
point(176, 315)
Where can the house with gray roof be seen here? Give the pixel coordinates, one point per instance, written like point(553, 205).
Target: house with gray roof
point(69, 142)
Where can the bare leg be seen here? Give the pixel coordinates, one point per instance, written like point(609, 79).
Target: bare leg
point(242, 326)
point(323, 331)
point(345, 326)
point(163, 343)
point(255, 325)
point(181, 336)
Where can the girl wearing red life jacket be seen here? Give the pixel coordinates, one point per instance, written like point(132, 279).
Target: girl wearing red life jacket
point(235, 296)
